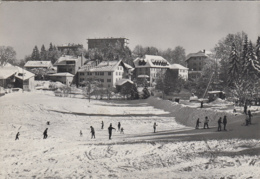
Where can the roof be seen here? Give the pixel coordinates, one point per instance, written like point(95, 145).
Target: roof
point(38, 64)
point(143, 76)
point(128, 66)
point(123, 81)
point(9, 70)
point(63, 59)
point(66, 74)
point(103, 66)
point(214, 92)
point(6, 72)
point(177, 66)
point(199, 54)
point(151, 61)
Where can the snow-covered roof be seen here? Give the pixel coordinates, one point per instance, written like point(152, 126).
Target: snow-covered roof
point(65, 58)
point(213, 92)
point(9, 70)
point(151, 61)
point(62, 74)
point(177, 66)
point(104, 66)
point(128, 66)
point(38, 64)
point(199, 54)
point(123, 81)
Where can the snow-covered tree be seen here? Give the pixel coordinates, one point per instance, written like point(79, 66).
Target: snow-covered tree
point(7, 54)
point(235, 66)
point(257, 51)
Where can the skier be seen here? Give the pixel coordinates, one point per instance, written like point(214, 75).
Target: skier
point(110, 128)
point(225, 122)
point(197, 123)
point(102, 125)
point(247, 120)
point(206, 122)
point(45, 135)
point(250, 116)
point(17, 136)
point(118, 126)
point(245, 109)
point(92, 132)
point(154, 127)
point(80, 133)
point(219, 124)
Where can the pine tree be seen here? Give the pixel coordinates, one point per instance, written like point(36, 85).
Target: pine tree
point(51, 47)
point(43, 54)
point(35, 54)
point(234, 67)
point(257, 51)
point(254, 65)
point(245, 61)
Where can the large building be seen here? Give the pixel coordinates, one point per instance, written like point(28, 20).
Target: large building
point(101, 42)
point(150, 67)
point(70, 46)
point(196, 61)
point(106, 72)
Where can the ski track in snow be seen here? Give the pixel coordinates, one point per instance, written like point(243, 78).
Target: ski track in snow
point(64, 154)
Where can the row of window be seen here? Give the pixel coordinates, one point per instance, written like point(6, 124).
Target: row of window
point(95, 73)
point(100, 80)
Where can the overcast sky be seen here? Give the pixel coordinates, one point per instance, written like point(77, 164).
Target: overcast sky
point(192, 25)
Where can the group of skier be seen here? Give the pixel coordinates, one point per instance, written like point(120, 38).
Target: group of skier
point(206, 123)
point(110, 128)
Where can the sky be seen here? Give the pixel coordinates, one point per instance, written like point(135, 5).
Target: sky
point(192, 25)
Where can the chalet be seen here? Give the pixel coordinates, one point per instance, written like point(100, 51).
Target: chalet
point(16, 77)
point(180, 70)
point(107, 72)
point(150, 67)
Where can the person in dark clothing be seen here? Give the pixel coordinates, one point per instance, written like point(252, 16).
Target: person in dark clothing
point(110, 128)
point(92, 132)
point(45, 135)
point(250, 116)
point(118, 126)
point(219, 124)
point(206, 122)
point(225, 122)
point(102, 125)
point(17, 136)
point(48, 122)
point(201, 104)
point(80, 133)
point(197, 123)
point(247, 120)
point(154, 127)
point(245, 109)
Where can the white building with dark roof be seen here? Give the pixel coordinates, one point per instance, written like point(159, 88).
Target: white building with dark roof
point(150, 66)
point(106, 72)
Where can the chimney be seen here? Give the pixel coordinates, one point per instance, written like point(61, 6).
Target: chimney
point(204, 51)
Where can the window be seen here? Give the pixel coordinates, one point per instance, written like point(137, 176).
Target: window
point(102, 80)
point(96, 73)
point(108, 86)
point(109, 73)
point(116, 73)
point(102, 73)
point(108, 80)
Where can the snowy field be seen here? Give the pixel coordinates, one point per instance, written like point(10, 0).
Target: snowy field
point(138, 153)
